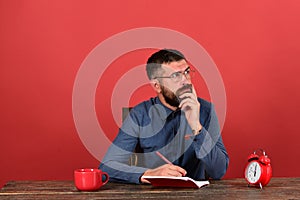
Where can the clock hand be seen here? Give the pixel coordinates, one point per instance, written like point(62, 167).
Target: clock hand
point(255, 170)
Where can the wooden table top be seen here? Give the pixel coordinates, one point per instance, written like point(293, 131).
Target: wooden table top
point(278, 188)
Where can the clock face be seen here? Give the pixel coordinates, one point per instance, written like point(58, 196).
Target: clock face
point(253, 172)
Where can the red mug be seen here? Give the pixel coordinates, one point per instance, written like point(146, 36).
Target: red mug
point(89, 179)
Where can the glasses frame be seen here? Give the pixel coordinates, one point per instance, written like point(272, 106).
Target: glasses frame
point(186, 73)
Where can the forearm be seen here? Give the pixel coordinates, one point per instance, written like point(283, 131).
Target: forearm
point(121, 172)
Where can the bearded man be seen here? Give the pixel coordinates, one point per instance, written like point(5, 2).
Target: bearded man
point(176, 124)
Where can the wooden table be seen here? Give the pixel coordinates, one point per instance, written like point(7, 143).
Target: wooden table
point(278, 188)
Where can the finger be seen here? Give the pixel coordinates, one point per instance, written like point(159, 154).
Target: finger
point(168, 170)
point(187, 95)
point(178, 169)
point(174, 173)
point(187, 102)
point(194, 91)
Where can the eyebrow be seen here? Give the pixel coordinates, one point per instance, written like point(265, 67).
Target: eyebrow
point(182, 71)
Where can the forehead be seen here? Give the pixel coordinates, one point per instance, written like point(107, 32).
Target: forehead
point(175, 66)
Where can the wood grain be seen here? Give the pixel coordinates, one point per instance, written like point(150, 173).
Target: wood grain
point(278, 188)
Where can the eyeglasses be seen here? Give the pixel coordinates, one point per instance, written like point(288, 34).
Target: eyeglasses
point(177, 76)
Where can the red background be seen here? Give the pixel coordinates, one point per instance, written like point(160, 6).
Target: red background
point(255, 45)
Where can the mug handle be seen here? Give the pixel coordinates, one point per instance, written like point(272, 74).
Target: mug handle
point(106, 176)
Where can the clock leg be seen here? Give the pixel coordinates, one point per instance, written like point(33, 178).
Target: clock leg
point(260, 185)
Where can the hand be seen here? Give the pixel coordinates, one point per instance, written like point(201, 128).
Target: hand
point(191, 107)
point(164, 170)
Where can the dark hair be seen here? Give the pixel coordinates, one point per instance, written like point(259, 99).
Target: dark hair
point(163, 56)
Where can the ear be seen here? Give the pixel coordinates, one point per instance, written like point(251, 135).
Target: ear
point(155, 85)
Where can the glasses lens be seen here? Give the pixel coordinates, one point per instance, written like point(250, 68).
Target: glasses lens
point(176, 76)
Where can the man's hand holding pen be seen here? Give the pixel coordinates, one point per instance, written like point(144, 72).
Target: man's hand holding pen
point(165, 170)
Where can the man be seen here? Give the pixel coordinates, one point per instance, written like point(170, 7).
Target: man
point(176, 124)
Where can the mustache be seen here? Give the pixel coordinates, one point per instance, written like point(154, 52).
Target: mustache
point(185, 89)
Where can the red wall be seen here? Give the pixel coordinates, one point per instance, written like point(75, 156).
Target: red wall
point(255, 45)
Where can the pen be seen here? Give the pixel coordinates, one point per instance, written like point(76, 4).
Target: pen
point(164, 158)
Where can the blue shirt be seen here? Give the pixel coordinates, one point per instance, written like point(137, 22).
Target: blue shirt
point(154, 127)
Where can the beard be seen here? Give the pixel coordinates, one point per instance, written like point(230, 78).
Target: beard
point(173, 98)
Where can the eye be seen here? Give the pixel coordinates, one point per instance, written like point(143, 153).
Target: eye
point(186, 72)
point(175, 75)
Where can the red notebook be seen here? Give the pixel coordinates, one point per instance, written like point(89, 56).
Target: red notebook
point(170, 181)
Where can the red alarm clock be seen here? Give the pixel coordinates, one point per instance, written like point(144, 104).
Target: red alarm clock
point(258, 171)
